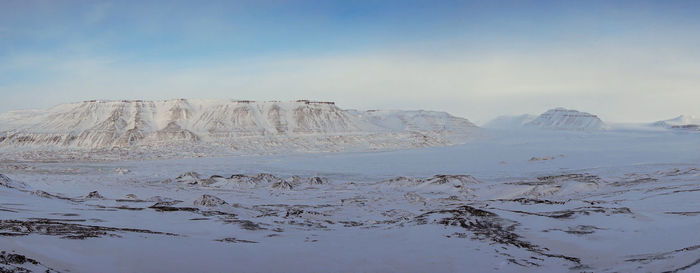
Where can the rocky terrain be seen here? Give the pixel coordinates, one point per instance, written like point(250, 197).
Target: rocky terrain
point(558, 222)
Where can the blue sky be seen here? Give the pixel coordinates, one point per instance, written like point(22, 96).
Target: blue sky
point(623, 60)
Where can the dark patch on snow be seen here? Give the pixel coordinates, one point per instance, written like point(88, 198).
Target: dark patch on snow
point(571, 213)
point(207, 200)
point(684, 213)
point(169, 208)
point(282, 185)
point(530, 201)
point(17, 263)
point(64, 230)
point(578, 230)
point(485, 225)
point(44, 194)
point(9, 258)
point(245, 224)
point(234, 240)
point(648, 258)
point(94, 195)
point(634, 182)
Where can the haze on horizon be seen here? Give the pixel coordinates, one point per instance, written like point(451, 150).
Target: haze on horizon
point(622, 60)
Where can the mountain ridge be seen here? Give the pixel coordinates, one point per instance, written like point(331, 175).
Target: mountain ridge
point(236, 124)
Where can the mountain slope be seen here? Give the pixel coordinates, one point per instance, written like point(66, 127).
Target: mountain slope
point(238, 125)
point(680, 122)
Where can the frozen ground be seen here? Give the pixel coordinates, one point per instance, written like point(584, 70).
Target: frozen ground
point(623, 200)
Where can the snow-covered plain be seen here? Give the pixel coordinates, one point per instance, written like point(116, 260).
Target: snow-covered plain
point(625, 199)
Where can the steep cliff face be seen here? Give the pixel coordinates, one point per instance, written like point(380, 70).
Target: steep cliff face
point(124, 124)
point(565, 119)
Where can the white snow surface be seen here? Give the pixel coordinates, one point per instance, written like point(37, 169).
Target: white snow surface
point(616, 200)
point(226, 127)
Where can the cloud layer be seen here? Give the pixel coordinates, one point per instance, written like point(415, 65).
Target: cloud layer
point(631, 66)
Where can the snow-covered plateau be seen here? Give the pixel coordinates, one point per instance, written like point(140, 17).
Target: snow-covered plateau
point(567, 193)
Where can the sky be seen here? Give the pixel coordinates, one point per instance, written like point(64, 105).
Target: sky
point(626, 61)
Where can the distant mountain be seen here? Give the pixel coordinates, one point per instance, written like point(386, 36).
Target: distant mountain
point(553, 119)
point(509, 122)
point(682, 122)
point(565, 119)
point(249, 126)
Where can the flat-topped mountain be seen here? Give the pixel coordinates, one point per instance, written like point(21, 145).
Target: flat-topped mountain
point(554, 119)
point(566, 119)
point(265, 126)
